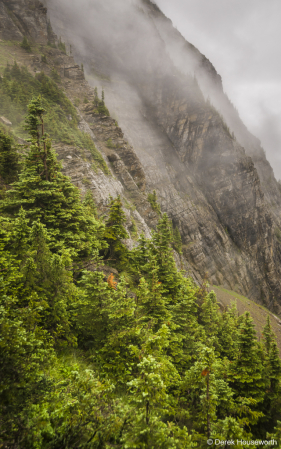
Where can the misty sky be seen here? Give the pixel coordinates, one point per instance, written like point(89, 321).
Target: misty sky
point(242, 38)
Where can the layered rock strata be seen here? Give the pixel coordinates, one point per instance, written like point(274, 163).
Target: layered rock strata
point(210, 181)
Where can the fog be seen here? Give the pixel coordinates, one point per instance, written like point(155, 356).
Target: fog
point(242, 38)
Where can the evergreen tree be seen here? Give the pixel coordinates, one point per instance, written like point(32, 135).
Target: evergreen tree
point(267, 335)
point(102, 109)
point(210, 318)
point(25, 44)
point(49, 196)
point(161, 248)
point(272, 373)
point(228, 333)
point(187, 332)
point(274, 369)
point(115, 232)
point(177, 241)
point(247, 370)
point(152, 199)
point(90, 204)
point(9, 159)
point(149, 397)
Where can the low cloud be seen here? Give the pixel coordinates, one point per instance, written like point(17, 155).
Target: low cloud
point(243, 41)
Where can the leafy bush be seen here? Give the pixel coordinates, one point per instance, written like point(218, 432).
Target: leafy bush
point(25, 44)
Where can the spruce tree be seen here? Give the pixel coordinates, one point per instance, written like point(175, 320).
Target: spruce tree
point(228, 333)
point(272, 374)
point(25, 44)
point(9, 159)
point(152, 199)
point(210, 318)
point(49, 196)
point(115, 233)
point(161, 248)
point(267, 336)
point(177, 241)
point(246, 369)
point(149, 397)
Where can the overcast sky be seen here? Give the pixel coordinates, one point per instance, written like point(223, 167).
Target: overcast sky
point(242, 38)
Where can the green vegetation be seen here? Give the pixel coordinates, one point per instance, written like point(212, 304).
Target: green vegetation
point(25, 44)
point(137, 360)
point(110, 144)
point(44, 59)
point(61, 46)
point(55, 76)
point(152, 199)
point(18, 86)
point(9, 158)
point(134, 229)
point(177, 242)
point(278, 234)
point(100, 104)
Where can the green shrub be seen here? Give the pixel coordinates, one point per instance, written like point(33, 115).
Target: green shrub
point(61, 46)
point(110, 144)
point(25, 44)
point(152, 199)
point(55, 76)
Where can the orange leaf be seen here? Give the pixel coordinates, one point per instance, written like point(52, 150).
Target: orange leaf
point(111, 282)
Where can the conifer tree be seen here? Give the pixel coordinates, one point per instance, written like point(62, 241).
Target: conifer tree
point(115, 232)
point(187, 332)
point(9, 159)
point(246, 369)
point(151, 301)
point(228, 333)
point(161, 241)
point(49, 196)
point(149, 397)
point(92, 321)
point(102, 109)
point(199, 388)
point(139, 256)
point(90, 204)
point(177, 241)
point(267, 335)
point(274, 369)
point(210, 318)
point(25, 44)
point(152, 199)
point(272, 374)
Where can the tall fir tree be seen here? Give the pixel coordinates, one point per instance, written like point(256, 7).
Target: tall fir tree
point(49, 196)
point(9, 159)
point(115, 233)
point(247, 371)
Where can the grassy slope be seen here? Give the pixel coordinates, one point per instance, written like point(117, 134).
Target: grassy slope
point(258, 312)
point(58, 110)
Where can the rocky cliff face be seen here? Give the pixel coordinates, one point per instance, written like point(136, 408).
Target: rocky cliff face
point(24, 18)
point(212, 184)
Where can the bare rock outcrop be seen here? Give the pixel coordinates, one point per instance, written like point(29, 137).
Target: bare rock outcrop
point(211, 182)
point(25, 18)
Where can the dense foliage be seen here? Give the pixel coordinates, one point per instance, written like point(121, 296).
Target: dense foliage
point(142, 360)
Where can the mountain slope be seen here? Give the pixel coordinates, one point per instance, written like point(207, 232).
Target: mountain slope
point(210, 182)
